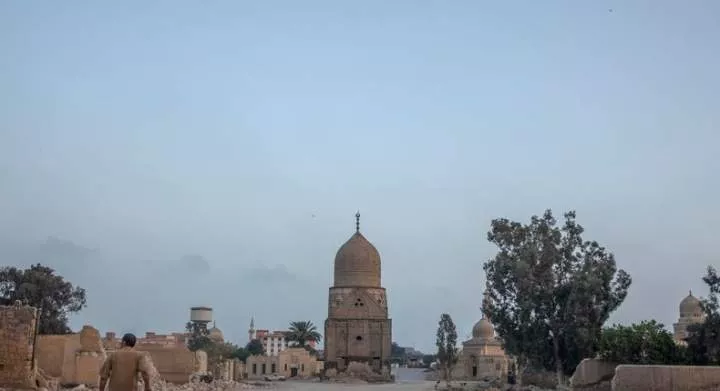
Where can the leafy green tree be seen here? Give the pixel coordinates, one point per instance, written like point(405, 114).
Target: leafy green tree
point(302, 332)
point(199, 338)
point(549, 292)
point(240, 353)
point(428, 359)
point(217, 352)
point(255, 347)
point(40, 287)
point(703, 341)
point(446, 342)
point(646, 343)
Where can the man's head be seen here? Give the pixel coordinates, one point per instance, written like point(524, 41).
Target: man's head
point(129, 340)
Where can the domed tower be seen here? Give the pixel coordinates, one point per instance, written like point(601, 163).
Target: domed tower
point(357, 327)
point(691, 312)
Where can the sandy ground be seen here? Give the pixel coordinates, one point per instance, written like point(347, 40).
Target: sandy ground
point(408, 379)
point(399, 386)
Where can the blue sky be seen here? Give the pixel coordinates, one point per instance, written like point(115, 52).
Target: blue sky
point(157, 130)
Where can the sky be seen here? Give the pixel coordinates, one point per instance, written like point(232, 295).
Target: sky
point(171, 154)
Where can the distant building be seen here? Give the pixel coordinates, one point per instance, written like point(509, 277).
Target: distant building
point(291, 363)
point(691, 312)
point(274, 342)
point(112, 341)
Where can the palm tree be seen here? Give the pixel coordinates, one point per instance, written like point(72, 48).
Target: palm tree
point(302, 332)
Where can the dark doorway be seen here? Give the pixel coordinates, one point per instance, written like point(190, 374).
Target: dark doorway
point(293, 372)
point(474, 371)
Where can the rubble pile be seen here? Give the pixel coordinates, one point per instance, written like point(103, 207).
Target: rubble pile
point(356, 372)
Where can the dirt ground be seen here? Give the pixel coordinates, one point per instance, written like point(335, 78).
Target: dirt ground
point(407, 379)
point(400, 386)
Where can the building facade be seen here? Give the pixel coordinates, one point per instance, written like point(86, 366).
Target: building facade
point(273, 342)
point(357, 328)
point(291, 363)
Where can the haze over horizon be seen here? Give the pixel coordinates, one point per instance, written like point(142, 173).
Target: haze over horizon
point(165, 155)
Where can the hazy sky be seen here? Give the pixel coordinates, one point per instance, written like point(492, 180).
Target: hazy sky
point(184, 153)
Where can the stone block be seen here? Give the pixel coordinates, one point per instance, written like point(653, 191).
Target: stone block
point(593, 374)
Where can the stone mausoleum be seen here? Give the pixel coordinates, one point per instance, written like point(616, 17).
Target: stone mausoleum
point(690, 312)
point(357, 328)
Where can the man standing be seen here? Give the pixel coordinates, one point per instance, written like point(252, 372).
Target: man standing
point(121, 368)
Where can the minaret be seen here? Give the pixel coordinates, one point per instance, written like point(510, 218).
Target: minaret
point(251, 331)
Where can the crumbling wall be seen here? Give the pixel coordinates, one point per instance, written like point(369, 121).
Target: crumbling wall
point(72, 358)
point(666, 378)
point(50, 353)
point(17, 333)
point(90, 357)
point(175, 365)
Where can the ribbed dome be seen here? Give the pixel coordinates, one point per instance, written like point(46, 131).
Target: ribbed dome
point(483, 329)
point(357, 263)
point(216, 334)
point(690, 305)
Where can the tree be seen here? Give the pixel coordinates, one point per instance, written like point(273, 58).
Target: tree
point(428, 359)
point(199, 338)
point(302, 332)
point(255, 347)
point(40, 287)
point(703, 341)
point(549, 292)
point(396, 350)
point(647, 343)
point(446, 343)
point(241, 354)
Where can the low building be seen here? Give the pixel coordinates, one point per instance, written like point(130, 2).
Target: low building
point(291, 362)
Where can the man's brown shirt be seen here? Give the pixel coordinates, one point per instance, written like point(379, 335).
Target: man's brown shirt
point(122, 368)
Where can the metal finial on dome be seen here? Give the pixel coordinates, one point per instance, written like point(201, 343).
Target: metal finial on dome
point(357, 221)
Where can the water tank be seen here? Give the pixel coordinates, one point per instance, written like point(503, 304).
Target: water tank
point(201, 314)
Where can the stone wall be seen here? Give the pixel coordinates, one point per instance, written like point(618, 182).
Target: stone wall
point(72, 358)
point(17, 334)
point(666, 378)
point(176, 364)
point(593, 375)
point(50, 353)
